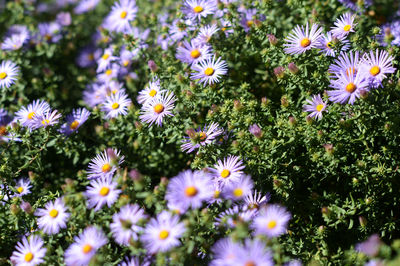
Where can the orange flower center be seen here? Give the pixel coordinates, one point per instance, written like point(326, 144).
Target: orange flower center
point(106, 168)
point(249, 23)
point(202, 136)
point(158, 108)
point(305, 42)
point(375, 70)
point(209, 71)
point(351, 87)
point(195, 53)
point(87, 248)
point(191, 191)
point(74, 125)
point(250, 263)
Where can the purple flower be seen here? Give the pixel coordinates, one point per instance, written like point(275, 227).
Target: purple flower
point(370, 247)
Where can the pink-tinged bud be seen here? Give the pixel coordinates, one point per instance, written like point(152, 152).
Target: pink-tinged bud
point(14, 209)
point(284, 101)
point(264, 101)
point(111, 154)
point(293, 68)
point(26, 207)
point(237, 105)
point(272, 39)
point(292, 121)
point(138, 125)
point(325, 211)
point(363, 94)
point(134, 174)
point(152, 65)
point(256, 131)
point(279, 71)
point(191, 133)
point(329, 148)
point(164, 181)
point(309, 120)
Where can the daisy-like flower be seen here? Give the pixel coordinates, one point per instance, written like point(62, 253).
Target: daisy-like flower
point(225, 252)
point(50, 32)
point(326, 44)
point(124, 226)
point(256, 200)
point(85, 6)
point(316, 106)
point(85, 246)
point(347, 88)
point(227, 170)
point(347, 62)
point(23, 187)
point(233, 216)
point(116, 104)
point(209, 70)
point(26, 114)
point(74, 121)
point(239, 189)
point(376, 65)
point(189, 189)
point(111, 72)
point(162, 233)
point(248, 17)
point(156, 109)
point(105, 164)
point(352, 4)
point(8, 73)
point(302, 40)
point(196, 9)
point(216, 198)
point(105, 60)
point(102, 191)
point(151, 91)
point(206, 33)
point(193, 52)
point(88, 56)
point(14, 42)
point(344, 25)
point(254, 253)
point(122, 13)
point(29, 253)
point(201, 137)
point(271, 221)
point(134, 261)
point(52, 217)
point(49, 118)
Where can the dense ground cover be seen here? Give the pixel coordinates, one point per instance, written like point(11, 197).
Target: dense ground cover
point(199, 132)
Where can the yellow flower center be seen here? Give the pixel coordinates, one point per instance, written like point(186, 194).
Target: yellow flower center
point(225, 173)
point(31, 115)
point(195, 53)
point(163, 234)
point(45, 121)
point(271, 224)
point(223, 29)
point(209, 71)
point(87, 248)
point(202, 136)
point(249, 23)
point(238, 192)
point(104, 191)
point(108, 72)
point(106, 168)
point(320, 107)
point(74, 125)
point(91, 57)
point(158, 108)
point(198, 9)
point(329, 45)
point(3, 130)
point(3, 75)
point(375, 70)
point(115, 106)
point(153, 93)
point(125, 63)
point(351, 87)
point(216, 194)
point(53, 213)
point(250, 263)
point(28, 257)
point(105, 56)
point(20, 189)
point(305, 42)
point(347, 28)
point(191, 191)
point(123, 14)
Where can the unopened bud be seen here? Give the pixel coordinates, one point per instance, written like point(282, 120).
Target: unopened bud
point(329, 148)
point(237, 105)
point(293, 68)
point(152, 65)
point(255, 130)
point(26, 207)
point(363, 94)
point(191, 133)
point(134, 174)
point(272, 39)
point(279, 72)
point(363, 221)
point(14, 209)
point(292, 121)
point(284, 101)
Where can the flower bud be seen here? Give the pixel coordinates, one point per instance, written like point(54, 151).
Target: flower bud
point(237, 105)
point(14, 209)
point(292, 121)
point(152, 65)
point(272, 39)
point(329, 148)
point(256, 131)
point(363, 221)
point(293, 68)
point(26, 207)
point(134, 174)
point(264, 101)
point(284, 101)
point(363, 94)
point(279, 72)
